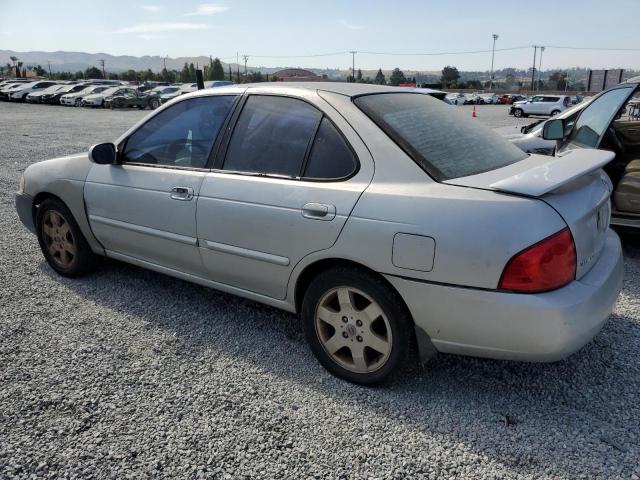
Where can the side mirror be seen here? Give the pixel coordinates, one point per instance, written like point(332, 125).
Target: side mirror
point(553, 129)
point(103, 154)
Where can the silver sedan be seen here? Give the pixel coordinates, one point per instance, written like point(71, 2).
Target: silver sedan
point(391, 224)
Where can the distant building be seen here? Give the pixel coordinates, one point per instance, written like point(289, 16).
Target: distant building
point(296, 75)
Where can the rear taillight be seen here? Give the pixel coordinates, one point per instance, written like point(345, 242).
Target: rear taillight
point(547, 265)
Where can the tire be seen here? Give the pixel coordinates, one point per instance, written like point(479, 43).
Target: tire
point(384, 347)
point(62, 243)
point(518, 113)
point(78, 102)
point(155, 103)
point(555, 112)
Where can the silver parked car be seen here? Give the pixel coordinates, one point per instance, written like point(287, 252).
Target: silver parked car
point(388, 221)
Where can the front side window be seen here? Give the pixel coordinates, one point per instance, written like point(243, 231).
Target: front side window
point(272, 136)
point(444, 143)
point(180, 136)
point(595, 119)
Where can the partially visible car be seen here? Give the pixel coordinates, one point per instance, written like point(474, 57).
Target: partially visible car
point(53, 98)
point(217, 83)
point(510, 98)
point(135, 99)
point(457, 98)
point(184, 88)
point(38, 95)
point(541, 105)
point(75, 99)
point(20, 94)
point(97, 99)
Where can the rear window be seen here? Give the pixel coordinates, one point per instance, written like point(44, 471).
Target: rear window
point(445, 143)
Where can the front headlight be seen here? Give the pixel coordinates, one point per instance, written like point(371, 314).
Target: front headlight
point(21, 184)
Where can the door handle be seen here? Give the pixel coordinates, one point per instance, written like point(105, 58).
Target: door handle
point(182, 193)
point(319, 211)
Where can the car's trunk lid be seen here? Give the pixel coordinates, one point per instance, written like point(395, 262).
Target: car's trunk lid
point(573, 184)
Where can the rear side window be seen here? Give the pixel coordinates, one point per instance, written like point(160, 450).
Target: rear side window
point(272, 136)
point(445, 143)
point(551, 99)
point(330, 157)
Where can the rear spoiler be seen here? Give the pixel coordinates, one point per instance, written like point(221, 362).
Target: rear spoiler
point(539, 174)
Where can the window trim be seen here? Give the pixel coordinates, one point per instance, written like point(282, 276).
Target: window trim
point(221, 155)
point(122, 146)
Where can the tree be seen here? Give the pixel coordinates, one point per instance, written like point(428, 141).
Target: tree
point(359, 76)
point(41, 72)
point(450, 76)
point(185, 76)
point(93, 72)
point(509, 80)
point(255, 77)
point(397, 77)
point(217, 71)
point(192, 73)
point(559, 79)
point(230, 74)
point(380, 79)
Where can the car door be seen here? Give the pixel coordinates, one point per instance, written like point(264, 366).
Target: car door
point(535, 106)
point(283, 187)
point(144, 207)
point(595, 119)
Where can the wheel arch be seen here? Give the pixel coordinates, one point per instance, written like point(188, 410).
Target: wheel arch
point(426, 350)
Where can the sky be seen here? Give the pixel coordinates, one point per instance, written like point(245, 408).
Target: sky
point(275, 32)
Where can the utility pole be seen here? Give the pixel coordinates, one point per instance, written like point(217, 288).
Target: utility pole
point(493, 53)
point(164, 62)
point(245, 57)
point(353, 64)
point(237, 68)
point(49, 65)
point(540, 68)
point(103, 73)
point(533, 69)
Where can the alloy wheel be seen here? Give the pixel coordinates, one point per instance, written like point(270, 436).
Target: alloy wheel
point(353, 329)
point(58, 239)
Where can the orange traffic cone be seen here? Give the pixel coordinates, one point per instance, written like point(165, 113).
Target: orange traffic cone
point(473, 113)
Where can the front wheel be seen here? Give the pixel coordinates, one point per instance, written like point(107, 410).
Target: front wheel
point(357, 327)
point(78, 102)
point(155, 103)
point(62, 243)
point(518, 113)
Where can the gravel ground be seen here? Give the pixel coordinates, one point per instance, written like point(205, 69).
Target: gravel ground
point(132, 374)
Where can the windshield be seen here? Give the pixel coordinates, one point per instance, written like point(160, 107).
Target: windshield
point(445, 143)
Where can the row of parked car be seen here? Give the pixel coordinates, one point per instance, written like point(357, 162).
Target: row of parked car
point(97, 93)
point(495, 99)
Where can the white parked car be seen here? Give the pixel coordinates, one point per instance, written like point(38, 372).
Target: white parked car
point(185, 88)
point(9, 88)
point(20, 94)
point(388, 221)
point(97, 99)
point(75, 99)
point(36, 97)
point(541, 105)
point(457, 98)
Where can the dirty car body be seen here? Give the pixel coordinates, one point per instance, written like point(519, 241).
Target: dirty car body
point(444, 216)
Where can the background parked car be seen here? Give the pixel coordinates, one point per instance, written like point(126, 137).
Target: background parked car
point(541, 105)
point(20, 94)
point(96, 99)
point(53, 98)
point(137, 99)
point(36, 97)
point(457, 98)
point(217, 83)
point(185, 88)
point(75, 99)
point(510, 98)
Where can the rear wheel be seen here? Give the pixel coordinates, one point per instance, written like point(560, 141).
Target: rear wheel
point(357, 327)
point(555, 112)
point(61, 241)
point(155, 103)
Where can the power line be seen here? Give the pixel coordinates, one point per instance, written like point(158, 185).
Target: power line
point(609, 49)
point(302, 56)
point(444, 53)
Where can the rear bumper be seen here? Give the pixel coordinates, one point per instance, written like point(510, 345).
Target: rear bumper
point(24, 207)
point(530, 327)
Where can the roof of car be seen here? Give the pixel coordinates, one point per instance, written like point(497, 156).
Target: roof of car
point(342, 88)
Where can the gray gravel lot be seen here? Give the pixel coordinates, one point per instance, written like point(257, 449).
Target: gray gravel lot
point(132, 374)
